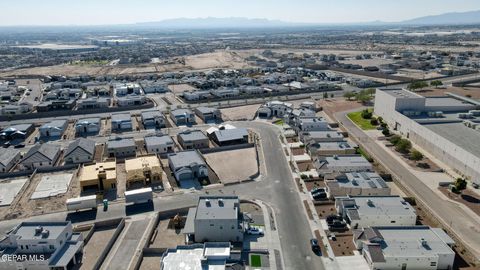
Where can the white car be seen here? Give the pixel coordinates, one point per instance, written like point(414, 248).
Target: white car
point(254, 231)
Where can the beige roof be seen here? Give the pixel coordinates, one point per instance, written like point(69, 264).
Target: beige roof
point(141, 162)
point(91, 172)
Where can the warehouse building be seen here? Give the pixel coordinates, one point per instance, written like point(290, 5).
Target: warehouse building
point(446, 127)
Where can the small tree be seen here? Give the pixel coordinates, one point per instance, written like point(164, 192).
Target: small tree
point(380, 119)
point(366, 114)
point(436, 83)
point(374, 122)
point(416, 155)
point(386, 132)
point(325, 95)
point(403, 146)
point(417, 85)
point(395, 139)
point(460, 184)
point(349, 95)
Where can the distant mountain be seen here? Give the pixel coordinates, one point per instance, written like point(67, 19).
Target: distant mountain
point(469, 17)
point(211, 22)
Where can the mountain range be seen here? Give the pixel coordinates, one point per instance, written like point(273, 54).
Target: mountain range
point(453, 18)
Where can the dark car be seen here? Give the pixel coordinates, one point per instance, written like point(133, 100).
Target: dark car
point(332, 218)
point(20, 145)
point(314, 245)
point(317, 190)
point(337, 225)
point(319, 196)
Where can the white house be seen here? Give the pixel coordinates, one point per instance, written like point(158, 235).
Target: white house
point(405, 247)
point(86, 126)
point(370, 211)
point(53, 129)
point(357, 184)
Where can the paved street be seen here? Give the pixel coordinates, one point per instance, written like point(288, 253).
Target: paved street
point(463, 224)
point(277, 188)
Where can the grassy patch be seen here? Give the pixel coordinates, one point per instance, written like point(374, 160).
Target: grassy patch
point(279, 122)
point(362, 152)
point(255, 260)
point(357, 118)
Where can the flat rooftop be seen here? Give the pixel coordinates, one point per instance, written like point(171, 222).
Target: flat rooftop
point(447, 102)
point(407, 241)
point(218, 207)
point(153, 140)
point(191, 258)
point(366, 206)
point(347, 160)
point(26, 230)
point(192, 135)
point(457, 133)
point(52, 185)
point(185, 159)
point(401, 93)
point(361, 180)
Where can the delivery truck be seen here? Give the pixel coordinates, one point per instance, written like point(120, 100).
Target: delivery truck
point(136, 196)
point(81, 203)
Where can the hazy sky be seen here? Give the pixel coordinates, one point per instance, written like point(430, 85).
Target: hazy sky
point(95, 12)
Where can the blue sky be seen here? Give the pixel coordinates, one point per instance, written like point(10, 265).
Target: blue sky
point(95, 12)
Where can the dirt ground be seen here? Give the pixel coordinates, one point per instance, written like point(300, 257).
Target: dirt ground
point(312, 184)
point(150, 262)
point(298, 151)
point(180, 88)
point(305, 166)
point(121, 180)
point(240, 113)
point(165, 237)
point(234, 165)
point(324, 210)
point(467, 197)
point(474, 92)
point(331, 106)
point(24, 207)
point(343, 245)
point(414, 164)
point(217, 59)
point(95, 245)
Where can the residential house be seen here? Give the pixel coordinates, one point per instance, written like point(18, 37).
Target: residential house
point(274, 109)
point(93, 103)
point(53, 129)
point(56, 105)
point(159, 144)
point(230, 136)
point(120, 148)
point(405, 247)
point(145, 170)
point(215, 219)
point(87, 126)
point(331, 148)
point(321, 136)
point(17, 132)
point(41, 155)
point(197, 256)
point(188, 165)
point(182, 117)
point(98, 177)
point(153, 118)
point(356, 184)
point(370, 211)
point(192, 139)
point(208, 114)
point(42, 246)
point(80, 151)
point(121, 122)
point(8, 158)
point(342, 164)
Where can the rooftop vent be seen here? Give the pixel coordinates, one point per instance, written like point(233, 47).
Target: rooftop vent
point(220, 202)
point(45, 233)
point(38, 230)
point(207, 203)
point(370, 203)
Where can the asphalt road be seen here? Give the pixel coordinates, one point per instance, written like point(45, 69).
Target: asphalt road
point(276, 188)
point(462, 223)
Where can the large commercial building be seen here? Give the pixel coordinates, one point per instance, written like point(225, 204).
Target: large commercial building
point(446, 127)
point(399, 248)
point(41, 245)
point(215, 219)
point(369, 211)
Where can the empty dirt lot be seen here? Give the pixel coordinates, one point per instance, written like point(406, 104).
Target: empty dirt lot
point(240, 113)
point(234, 165)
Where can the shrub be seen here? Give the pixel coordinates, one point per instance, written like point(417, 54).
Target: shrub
point(374, 122)
point(303, 176)
point(386, 132)
point(383, 125)
point(395, 139)
point(416, 155)
point(380, 120)
point(366, 114)
point(460, 184)
point(403, 146)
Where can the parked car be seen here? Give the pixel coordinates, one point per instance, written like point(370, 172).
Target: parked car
point(20, 145)
point(317, 190)
point(332, 218)
point(254, 231)
point(314, 245)
point(319, 196)
point(337, 225)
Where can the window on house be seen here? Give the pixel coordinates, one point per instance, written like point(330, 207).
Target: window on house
point(433, 264)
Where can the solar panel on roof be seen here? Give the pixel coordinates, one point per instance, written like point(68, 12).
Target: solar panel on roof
point(364, 175)
point(372, 184)
point(382, 183)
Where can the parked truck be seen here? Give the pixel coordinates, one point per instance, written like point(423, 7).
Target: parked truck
point(136, 196)
point(80, 203)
